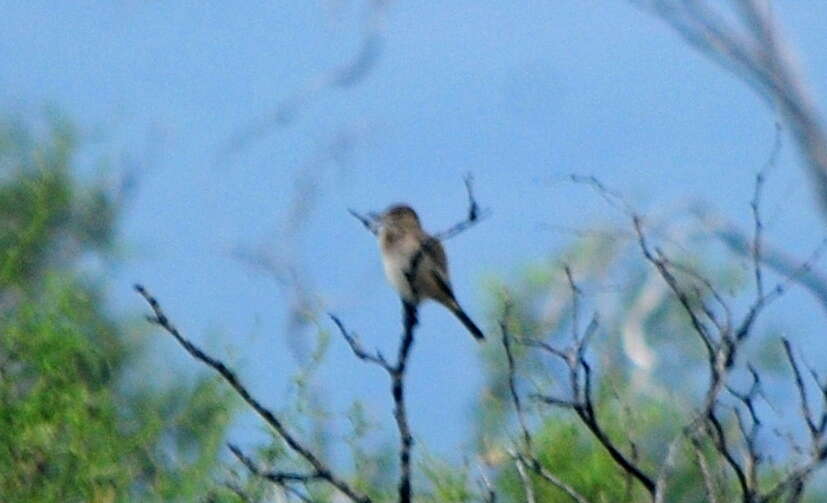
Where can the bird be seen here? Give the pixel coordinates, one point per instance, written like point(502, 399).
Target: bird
point(416, 266)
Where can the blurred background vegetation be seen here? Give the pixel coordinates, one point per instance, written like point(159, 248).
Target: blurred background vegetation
point(83, 420)
point(96, 405)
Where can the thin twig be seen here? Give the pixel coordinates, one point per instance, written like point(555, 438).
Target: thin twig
point(238, 491)
point(512, 378)
point(710, 485)
point(666, 470)
point(806, 411)
point(782, 263)
point(396, 372)
point(489, 493)
point(370, 222)
point(722, 341)
point(474, 215)
point(582, 402)
point(755, 204)
point(528, 487)
point(159, 318)
point(549, 477)
point(281, 479)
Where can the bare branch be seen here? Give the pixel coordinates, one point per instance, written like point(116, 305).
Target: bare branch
point(710, 485)
point(795, 480)
point(559, 402)
point(666, 469)
point(527, 341)
point(475, 215)
point(575, 305)
point(749, 435)
point(662, 267)
point(512, 385)
point(772, 257)
point(238, 491)
point(755, 204)
point(722, 341)
point(489, 493)
point(281, 479)
point(396, 372)
point(580, 382)
point(369, 221)
point(357, 348)
point(528, 487)
point(719, 438)
point(549, 477)
point(780, 288)
point(719, 300)
point(614, 198)
point(525, 457)
point(399, 411)
point(806, 411)
point(321, 469)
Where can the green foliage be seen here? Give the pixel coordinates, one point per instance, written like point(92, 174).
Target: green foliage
point(79, 423)
point(75, 424)
point(446, 484)
point(640, 409)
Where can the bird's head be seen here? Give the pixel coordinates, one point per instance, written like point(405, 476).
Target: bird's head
point(400, 217)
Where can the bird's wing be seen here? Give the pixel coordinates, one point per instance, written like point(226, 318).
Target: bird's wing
point(433, 249)
point(438, 271)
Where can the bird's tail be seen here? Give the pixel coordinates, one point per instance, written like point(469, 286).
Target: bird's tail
point(469, 324)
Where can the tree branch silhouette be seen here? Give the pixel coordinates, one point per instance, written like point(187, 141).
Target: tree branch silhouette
point(580, 386)
point(722, 340)
point(523, 455)
point(321, 469)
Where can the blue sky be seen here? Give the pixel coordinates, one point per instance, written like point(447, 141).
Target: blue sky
point(520, 94)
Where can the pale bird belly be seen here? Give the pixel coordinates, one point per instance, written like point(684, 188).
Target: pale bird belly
point(394, 271)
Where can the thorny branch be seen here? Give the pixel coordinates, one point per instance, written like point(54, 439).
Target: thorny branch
point(321, 470)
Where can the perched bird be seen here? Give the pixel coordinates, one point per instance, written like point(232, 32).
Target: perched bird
point(415, 264)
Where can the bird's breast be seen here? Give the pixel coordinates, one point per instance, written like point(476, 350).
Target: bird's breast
point(395, 265)
point(397, 252)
